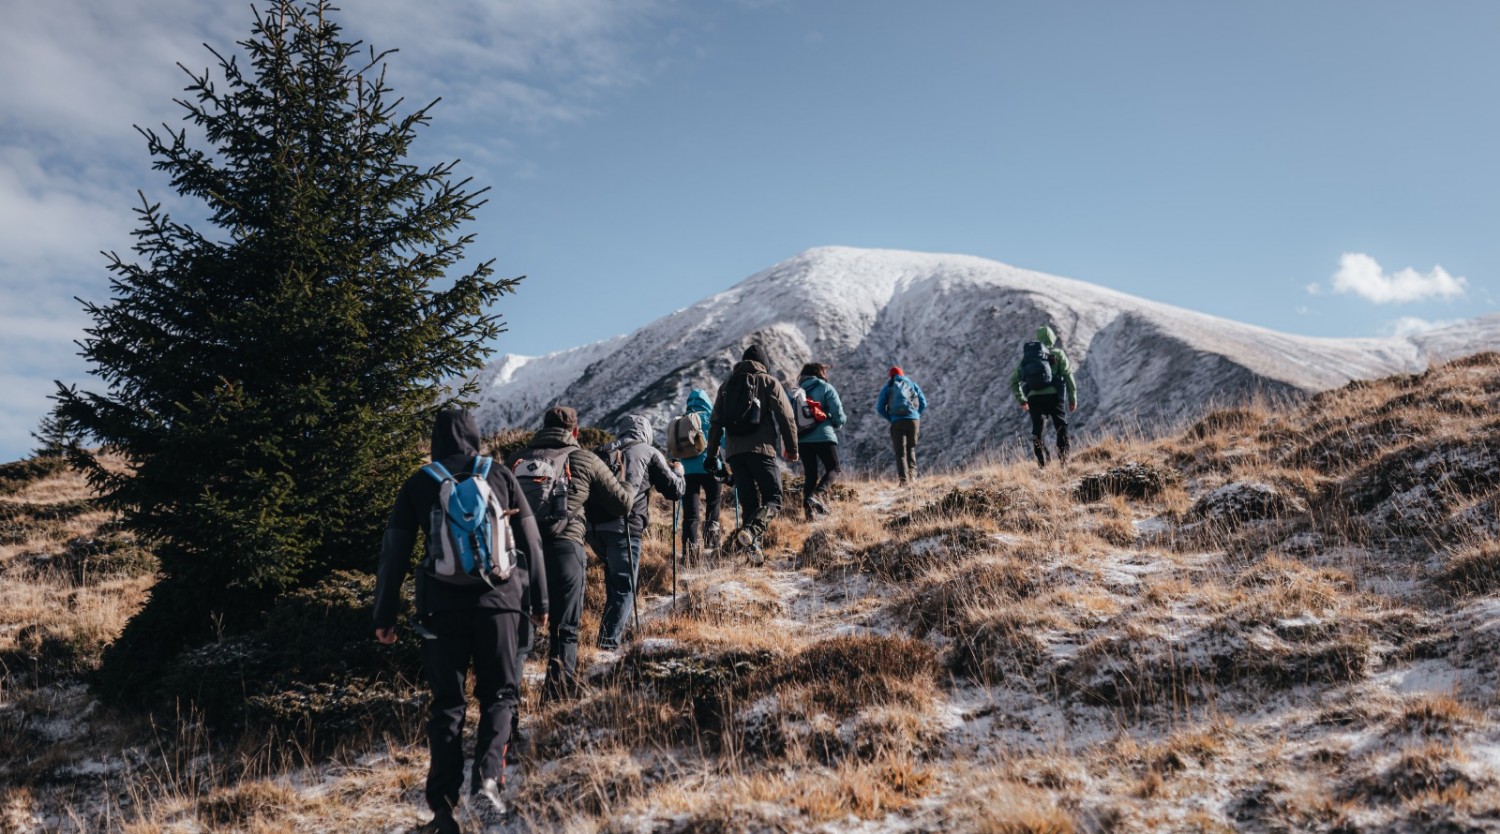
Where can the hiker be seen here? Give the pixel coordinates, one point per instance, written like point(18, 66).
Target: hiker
point(616, 537)
point(819, 416)
point(464, 619)
point(750, 412)
point(1035, 382)
point(590, 487)
point(902, 403)
point(704, 495)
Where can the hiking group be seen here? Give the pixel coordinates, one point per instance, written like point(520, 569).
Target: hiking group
point(505, 544)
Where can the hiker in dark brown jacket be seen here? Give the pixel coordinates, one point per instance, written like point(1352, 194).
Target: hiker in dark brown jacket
point(593, 486)
point(751, 414)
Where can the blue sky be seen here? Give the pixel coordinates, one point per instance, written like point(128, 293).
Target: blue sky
point(1329, 168)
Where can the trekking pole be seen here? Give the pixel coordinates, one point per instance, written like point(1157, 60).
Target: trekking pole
point(676, 507)
point(635, 578)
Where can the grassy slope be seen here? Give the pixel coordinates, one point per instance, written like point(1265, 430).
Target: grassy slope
point(1273, 621)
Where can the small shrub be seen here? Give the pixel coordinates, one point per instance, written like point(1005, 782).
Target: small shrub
point(1133, 479)
point(1474, 571)
point(19, 474)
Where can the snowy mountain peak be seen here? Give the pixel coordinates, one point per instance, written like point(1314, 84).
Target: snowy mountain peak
point(955, 323)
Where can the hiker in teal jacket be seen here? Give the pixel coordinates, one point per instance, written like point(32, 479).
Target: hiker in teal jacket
point(702, 500)
point(1042, 394)
point(819, 445)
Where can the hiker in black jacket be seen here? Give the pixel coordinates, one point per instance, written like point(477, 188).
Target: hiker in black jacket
point(593, 487)
point(462, 625)
point(751, 448)
point(617, 538)
point(1043, 384)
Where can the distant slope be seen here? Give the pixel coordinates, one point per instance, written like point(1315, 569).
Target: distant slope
point(955, 323)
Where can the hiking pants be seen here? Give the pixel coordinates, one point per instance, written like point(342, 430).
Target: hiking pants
point(757, 483)
point(566, 567)
point(815, 455)
point(621, 553)
point(485, 638)
point(1040, 407)
point(696, 507)
point(904, 434)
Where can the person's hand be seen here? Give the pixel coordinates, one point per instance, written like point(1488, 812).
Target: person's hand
point(791, 457)
point(1072, 406)
point(1025, 406)
point(385, 636)
point(677, 465)
point(539, 620)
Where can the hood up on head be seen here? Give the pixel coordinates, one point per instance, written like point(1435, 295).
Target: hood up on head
point(1045, 335)
point(755, 354)
point(454, 432)
point(699, 401)
point(637, 430)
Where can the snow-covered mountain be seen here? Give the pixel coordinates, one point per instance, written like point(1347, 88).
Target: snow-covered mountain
point(955, 324)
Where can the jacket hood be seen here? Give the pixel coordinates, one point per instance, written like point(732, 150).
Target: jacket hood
point(755, 354)
point(748, 366)
point(637, 430)
point(454, 432)
point(553, 438)
point(698, 401)
point(1045, 335)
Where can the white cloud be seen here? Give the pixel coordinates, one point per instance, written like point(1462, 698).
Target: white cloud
point(1361, 275)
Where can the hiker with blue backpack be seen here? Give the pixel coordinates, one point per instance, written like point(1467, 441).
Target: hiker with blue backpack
point(819, 414)
point(687, 441)
point(481, 575)
point(562, 481)
point(902, 403)
point(1043, 384)
point(616, 537)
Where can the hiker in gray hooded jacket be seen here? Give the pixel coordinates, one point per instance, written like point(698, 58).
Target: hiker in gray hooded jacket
point(617, 538)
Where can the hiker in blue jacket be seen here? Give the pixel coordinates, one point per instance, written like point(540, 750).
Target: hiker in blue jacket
point(704, 496)
point(817, 439)
point(902, 403)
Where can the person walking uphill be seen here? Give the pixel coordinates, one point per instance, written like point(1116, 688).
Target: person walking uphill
point(590, 486)
point(466, 616)
point(1039, 383)
point(902, 403)
point(617, 537)
point(820, 414)
point(700, 504)
point(750, 412)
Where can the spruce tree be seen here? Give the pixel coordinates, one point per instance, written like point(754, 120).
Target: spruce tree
point(270, 380)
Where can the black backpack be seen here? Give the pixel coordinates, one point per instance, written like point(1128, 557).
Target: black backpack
point(1036, 366)
point(741, 406)
point(545, 478)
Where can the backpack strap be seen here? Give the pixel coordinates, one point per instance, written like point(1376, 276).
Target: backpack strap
point(438, 472)
point(482, 466)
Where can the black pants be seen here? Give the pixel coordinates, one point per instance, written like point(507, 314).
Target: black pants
point(566, 567)
point(815, 455)
point(485, 638)
point(702, 501)
point(757, 483)
point(1040, 407)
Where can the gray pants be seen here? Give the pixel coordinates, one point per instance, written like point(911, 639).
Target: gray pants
point(904, 434)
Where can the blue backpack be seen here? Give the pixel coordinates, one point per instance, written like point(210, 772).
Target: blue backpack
point(904, 401)
point(469, 540)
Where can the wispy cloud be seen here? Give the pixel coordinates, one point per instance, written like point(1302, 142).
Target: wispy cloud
point(1411, 325)
point(1361, 275)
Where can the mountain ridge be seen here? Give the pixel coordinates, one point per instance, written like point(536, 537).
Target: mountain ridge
point(955, 323)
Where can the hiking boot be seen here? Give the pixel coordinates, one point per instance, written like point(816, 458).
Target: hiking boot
point(807, 510)
point(743, 538)
point(755, 555)
point(440, 824)
point(816, 505)
point(486, 798)
point(711, 538)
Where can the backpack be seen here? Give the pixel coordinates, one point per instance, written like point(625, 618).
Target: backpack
point(904, 401)
point(469, 540)
point(545, 478)
point(1036, 366)
point(741, 406)
point(687, 437)
point(809, 411)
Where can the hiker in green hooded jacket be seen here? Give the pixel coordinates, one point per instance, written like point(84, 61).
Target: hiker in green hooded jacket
point(1039, 383)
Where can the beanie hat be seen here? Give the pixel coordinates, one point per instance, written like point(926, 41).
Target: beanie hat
point(896, 371)
point(755, 354)
point(560, 417)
